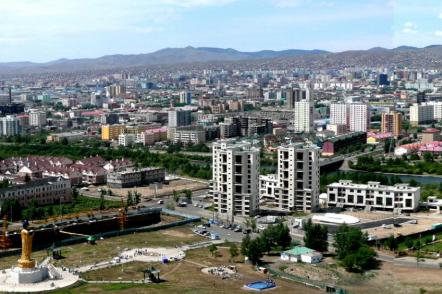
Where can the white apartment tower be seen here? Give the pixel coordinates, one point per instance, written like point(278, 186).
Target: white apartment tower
point(235, 180)
point(303, 116)
point(37, 118)
point(298, 177)
point(338, 114)
point(359, 117)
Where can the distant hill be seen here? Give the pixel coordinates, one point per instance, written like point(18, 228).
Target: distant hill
point(430, 56)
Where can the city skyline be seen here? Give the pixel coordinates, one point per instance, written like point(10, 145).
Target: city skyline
point(46, 30)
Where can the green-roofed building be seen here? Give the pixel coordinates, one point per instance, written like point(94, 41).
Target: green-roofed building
point(301, 254)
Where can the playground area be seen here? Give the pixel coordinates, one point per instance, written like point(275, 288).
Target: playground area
point(224, 272)
point(185, 276)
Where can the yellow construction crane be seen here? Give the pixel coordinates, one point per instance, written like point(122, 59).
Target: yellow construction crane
point(122, 215)
point(5, 242)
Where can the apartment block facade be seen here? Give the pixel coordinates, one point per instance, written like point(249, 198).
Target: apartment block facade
point(235, 180)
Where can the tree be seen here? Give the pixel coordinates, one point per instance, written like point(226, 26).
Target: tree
point(348, 240)
point(255, 250)
point(102, 202)
point(130, 200)
point(391, 243)
point(353, 251)
point(176, 196)
point(245, 245)
point(137, 197)
point(361, 260)
point(233, 250)
point(282, 236)
point(428, 157)
point(316, 236)
point(188, 195)
point(213, 249)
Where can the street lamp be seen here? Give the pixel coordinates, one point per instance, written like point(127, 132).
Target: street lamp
point(61, 209)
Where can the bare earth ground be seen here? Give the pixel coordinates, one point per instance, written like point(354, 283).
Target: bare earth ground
point(147, 192)
point(186, 276)
point(388, 279)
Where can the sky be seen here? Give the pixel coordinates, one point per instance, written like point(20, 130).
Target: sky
point(44, 30)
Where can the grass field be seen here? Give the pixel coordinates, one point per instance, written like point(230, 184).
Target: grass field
point(82, 254)
point(183, 277)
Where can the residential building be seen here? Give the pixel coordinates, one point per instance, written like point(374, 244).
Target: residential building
point(185, 97)
point(109, 118)
point(136, 177)
point(298, 177)
point(303, 116)
point(267, 187)
point(339, 114)
point(179, 118)
point(235, 180)
point(45, 191)
point(391, 123)
point(189, 135)
point(333, 145)
point(126, 139)
point(421, 114)
point(37, 118)
point(111, 132)
point(373, 196)
point(359, 117)
point(10, 126)
point(431, 135)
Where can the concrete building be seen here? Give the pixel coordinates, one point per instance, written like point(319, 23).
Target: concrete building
point(437, 110)
point(111, 132)
point(293, 95)
point(338, 129)
point(109, 118)
point(267, 187)
point(298, 177)
point(339, 114)
point(373, 196)
point(359, 117)
point(10, 126)
point(303, 122)
point(391, 123)
point(185, 97)
point(179, 118)
point(127, 139)
point(421, 114)
point(235, 180)
point(114, 91)
point(188, 135)
point(37, 118)
point(45, 191)
point(136, 177)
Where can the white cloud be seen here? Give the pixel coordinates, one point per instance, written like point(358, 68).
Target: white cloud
point(409, 28)
point(438, 33)
point(440, 15)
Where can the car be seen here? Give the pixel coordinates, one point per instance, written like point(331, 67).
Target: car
point(246, 231)
point(237, 229)
point(160, 202)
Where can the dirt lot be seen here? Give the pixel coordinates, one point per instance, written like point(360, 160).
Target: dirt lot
point(186, 277)
point(388, 279)
point(148, 192)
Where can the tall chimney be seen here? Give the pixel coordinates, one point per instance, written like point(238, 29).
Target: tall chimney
point(10, 95)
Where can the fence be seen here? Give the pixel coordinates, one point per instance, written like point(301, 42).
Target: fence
point(305, 281)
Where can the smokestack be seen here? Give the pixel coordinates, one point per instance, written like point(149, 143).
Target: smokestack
point(10, 95)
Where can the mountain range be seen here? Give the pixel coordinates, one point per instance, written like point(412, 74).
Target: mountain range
point(378, 56)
